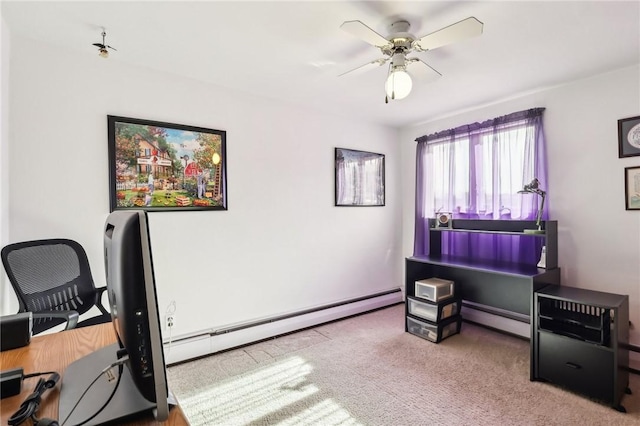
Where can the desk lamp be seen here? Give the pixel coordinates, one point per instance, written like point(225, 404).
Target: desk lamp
point(534, 189)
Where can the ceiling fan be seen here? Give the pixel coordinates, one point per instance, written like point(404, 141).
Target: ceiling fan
point(102, 47)
point(400, 43)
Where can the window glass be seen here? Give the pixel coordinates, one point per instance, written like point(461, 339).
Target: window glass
point(479, 175)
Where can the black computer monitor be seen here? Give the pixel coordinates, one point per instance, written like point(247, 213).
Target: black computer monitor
point(134, 311)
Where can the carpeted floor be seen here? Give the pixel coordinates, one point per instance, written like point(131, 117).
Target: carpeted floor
point(366, 370)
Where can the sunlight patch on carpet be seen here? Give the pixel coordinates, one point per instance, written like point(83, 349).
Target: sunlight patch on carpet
point(326, 413)
point(277, 388)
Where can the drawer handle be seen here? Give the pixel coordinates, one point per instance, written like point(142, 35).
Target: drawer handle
point(574, 366)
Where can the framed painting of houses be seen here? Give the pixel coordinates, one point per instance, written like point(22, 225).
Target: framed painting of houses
point(161, 166)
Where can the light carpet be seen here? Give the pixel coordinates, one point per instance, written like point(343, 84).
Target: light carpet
point(366, 370)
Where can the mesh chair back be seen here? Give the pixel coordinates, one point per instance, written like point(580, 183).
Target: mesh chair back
point(49, 275)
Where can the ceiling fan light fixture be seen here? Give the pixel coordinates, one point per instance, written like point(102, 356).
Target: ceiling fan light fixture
point(398, 85)
point(401, 42)
point(103, 48)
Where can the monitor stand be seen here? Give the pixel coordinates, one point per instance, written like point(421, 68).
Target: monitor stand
point(126, 401)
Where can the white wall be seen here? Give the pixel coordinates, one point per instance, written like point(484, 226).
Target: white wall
point(5, 286)
point(282, 246)
point(599, 241)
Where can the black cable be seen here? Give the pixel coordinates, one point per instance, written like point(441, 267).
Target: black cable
point(26, 376)
point(119, 364)
point(115, 388)
point(30, 405)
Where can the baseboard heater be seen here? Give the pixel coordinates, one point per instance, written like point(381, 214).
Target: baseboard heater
point(208, 342)
point(498, 319)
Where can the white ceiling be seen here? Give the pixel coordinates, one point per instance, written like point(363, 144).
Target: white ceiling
point(294, 51)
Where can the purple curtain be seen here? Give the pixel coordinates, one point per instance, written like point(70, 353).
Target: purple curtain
point(421, 228)
point(498, 157)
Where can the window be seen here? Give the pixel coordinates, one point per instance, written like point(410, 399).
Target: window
point(480, 173)
point(475, 171)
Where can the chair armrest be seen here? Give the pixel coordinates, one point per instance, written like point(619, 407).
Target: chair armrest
point(99, 292)
point(70, 316)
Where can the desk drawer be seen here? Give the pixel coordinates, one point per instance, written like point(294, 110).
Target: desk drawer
point(580, 366)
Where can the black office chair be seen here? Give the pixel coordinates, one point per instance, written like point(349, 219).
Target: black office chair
point(52, 279)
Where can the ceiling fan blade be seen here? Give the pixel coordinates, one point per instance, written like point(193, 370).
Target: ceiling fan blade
point(100, 45)
point(421, 70)
point(365, 67)
point(360, 30)
point(459, 31)
point(112, 48)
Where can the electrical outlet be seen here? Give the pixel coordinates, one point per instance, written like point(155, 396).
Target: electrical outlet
point(170, 321)
point(170, 315)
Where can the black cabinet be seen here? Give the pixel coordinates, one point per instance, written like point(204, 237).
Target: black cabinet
point(580, 342)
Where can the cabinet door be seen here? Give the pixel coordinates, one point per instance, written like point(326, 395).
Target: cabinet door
point(582, 367)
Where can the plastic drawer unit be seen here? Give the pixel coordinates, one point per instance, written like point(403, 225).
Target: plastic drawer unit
point(434, 312)
point(434, 332)
point(434, 289)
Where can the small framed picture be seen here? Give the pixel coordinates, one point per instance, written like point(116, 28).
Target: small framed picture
point(632, 188)
point(629, 137)
point(359, 178)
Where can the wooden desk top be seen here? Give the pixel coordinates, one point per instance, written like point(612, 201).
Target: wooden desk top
point(54, 352)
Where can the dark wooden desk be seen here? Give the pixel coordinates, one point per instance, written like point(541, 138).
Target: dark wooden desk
point(54, 352)
point(509, 288)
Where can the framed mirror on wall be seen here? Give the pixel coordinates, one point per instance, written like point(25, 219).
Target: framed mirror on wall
point(359, 178)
